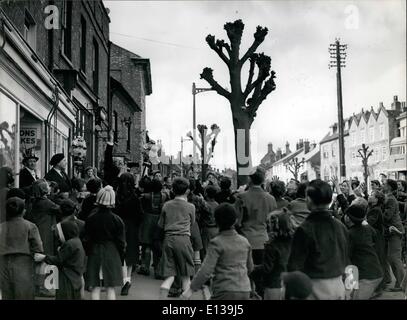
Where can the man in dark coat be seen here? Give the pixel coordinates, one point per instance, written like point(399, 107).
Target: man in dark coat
point(28, 174)
point(393, 232)
point(57, 173)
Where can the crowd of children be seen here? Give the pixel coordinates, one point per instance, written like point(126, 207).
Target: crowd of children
point(267, 241)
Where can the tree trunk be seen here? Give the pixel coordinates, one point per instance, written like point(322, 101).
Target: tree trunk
point(241, 125)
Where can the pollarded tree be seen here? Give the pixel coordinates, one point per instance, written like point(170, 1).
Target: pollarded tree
point(244, 102)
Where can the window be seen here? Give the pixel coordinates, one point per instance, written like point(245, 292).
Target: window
point(353, 138)
point(66, 30)
point(403, 132)
point(30, 30)
point(377, 154)
point(384, 153)
point(83, 44)
point(362, 136)
point(333, 151)
point(128, 136)
point(381, 131)
point(115, 126)
point(371, 134)
point(95, 66)
point(326, 174)
point(325, 152)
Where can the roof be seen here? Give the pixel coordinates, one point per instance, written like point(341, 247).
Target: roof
point(288, 157)
point(334, 136)
point(311, 153)
point(116, 86)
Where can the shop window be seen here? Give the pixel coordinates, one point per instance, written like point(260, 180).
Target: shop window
point(30, 30)
point(8, 129)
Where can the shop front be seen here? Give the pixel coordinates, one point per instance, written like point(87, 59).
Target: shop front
point(36, 115)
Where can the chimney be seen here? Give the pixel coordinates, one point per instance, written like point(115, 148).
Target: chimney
point(287, 148)
point(306, 146)
point(279, 154)
point(403, 106)
point(381, 105)
point(270, 148)
point(396, 104)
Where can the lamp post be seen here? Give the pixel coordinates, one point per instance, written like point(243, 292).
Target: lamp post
point(195, 91)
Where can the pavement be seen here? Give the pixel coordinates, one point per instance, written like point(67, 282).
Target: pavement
point(147, 288)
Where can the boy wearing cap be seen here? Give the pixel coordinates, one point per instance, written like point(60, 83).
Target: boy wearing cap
point(362, 251)
point(228, 258)
point(19, 241)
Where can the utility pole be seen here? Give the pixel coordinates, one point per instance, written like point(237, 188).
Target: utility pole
point(337, 52)
point(365, 154)
point(195, 91)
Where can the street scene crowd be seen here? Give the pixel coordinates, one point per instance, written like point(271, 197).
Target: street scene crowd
point(267, 240)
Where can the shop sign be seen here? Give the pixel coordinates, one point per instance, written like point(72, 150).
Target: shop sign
point(28, 137)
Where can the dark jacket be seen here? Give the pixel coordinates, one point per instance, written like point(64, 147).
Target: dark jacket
point(276, 253)
point(26, 179)
point(374, 218)
point(391, 214)
point(320, 247)
point(110, 171)
point(104, 226)
point(88, 205)
point(362, 251)
point(44, 214)
point(225, 196)
point(70, 260)
point(62, 179)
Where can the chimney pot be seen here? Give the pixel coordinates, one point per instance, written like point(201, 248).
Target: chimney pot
point(395, 98)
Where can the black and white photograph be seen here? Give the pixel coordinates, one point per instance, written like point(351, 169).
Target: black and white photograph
point(186, 151)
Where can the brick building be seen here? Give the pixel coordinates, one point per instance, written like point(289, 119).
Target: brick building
point(130, 84)
point(55, 49)
point(375, 129)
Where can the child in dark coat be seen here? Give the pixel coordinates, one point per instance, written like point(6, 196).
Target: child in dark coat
point(70, 261)
point(19, 241)
point(276, 253)
point(362, 251)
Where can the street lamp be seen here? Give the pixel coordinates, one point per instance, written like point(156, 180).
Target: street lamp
point(182, 151)
point(195, 91)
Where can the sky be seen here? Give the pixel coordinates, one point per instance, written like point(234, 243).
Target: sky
point(172, 35)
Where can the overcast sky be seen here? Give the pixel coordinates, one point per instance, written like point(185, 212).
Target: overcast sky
point(172, 35)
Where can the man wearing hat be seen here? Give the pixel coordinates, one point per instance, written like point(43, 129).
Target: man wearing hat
point(57, 173)
point(253, 207)
point(28, 174)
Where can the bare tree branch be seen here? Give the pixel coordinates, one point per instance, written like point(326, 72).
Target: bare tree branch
point(234, 31)
point(251, 75)
point(263, 63)
point(207, 74)
point(259, 96)
point(217, 46)
point(259, 36)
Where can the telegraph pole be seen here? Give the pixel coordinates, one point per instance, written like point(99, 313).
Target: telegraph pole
point(337, 52)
